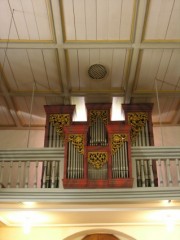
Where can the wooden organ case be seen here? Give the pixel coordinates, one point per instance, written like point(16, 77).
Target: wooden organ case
point(97, 153)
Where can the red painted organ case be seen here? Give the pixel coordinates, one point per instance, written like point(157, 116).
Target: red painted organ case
point(97, 153)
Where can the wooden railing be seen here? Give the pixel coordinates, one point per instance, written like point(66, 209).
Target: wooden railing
point(156, 166)
point(27, 168)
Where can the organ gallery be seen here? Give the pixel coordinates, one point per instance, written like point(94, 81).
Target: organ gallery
point(97, 152)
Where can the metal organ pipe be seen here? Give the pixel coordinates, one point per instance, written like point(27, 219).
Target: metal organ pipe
point(50, 135)
point(126, 160)
point(69, 161)
point(95, 174)
point(143, 167)
point(120, 166)
point(142, 138)
point(97, 133)
point(55, 139)
point(147, 134)
point(75, 168)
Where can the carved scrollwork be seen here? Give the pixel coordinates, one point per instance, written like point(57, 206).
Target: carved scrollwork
point(59, 121)
point(78, 141)
point(103, 114)
point(117, 141)
point(97, 159)
point(137, 121)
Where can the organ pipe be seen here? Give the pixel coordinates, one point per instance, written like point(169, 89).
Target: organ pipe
point(120, 162)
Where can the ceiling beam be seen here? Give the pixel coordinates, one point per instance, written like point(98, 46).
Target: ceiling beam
point(139, 24)
point(56, 7)
point(114, 92)
point(87, 45)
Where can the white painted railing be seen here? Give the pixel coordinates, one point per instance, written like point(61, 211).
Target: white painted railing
point(156, 166)
point(26, 168)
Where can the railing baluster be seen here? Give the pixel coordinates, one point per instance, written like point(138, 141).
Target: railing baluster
point(1, 174)
point(27, 165)
point(18, 174)
point(178, 170)
point(53, 174)
point(10, 174)
point(146, 172)
point(169, 177)
point(36, 174)
point(151, 173)
point(160, 172)
point(44, 174)
point(138, 169)
point(57, 173)
point(142, 173)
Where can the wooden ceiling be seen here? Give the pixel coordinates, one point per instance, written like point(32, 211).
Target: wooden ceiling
point(47, 47)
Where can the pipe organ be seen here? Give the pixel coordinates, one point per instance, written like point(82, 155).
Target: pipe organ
point(138, 116)
point(97, 152)
point(57, 117)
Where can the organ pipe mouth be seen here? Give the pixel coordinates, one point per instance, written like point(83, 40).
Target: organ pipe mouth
point(97, 71)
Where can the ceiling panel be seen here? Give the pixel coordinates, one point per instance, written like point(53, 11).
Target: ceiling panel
point(50, 45)
point(22, 67)
point(102, 20)
point(115, 61)
point(26, 20)
point(158, 66)
point(163, 21)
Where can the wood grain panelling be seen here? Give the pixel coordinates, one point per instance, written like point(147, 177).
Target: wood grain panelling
point(51, 45)
point(22, 67)
point(26, 20)
point(100, 237)
point(161, 66)
point(163, 20)
point(115, 61)
point(98, 19)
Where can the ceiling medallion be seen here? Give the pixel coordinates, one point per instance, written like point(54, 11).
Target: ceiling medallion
point(97, 71)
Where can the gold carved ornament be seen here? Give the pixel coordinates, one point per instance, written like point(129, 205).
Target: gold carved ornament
point(117, 141)
point(59, 121)
point(97, 159)
point(103, 114)
point(78, 141)
point(137, 121)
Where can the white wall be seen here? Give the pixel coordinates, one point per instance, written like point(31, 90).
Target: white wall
point(19, 138)
point(166, 136)
point(125, 232)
